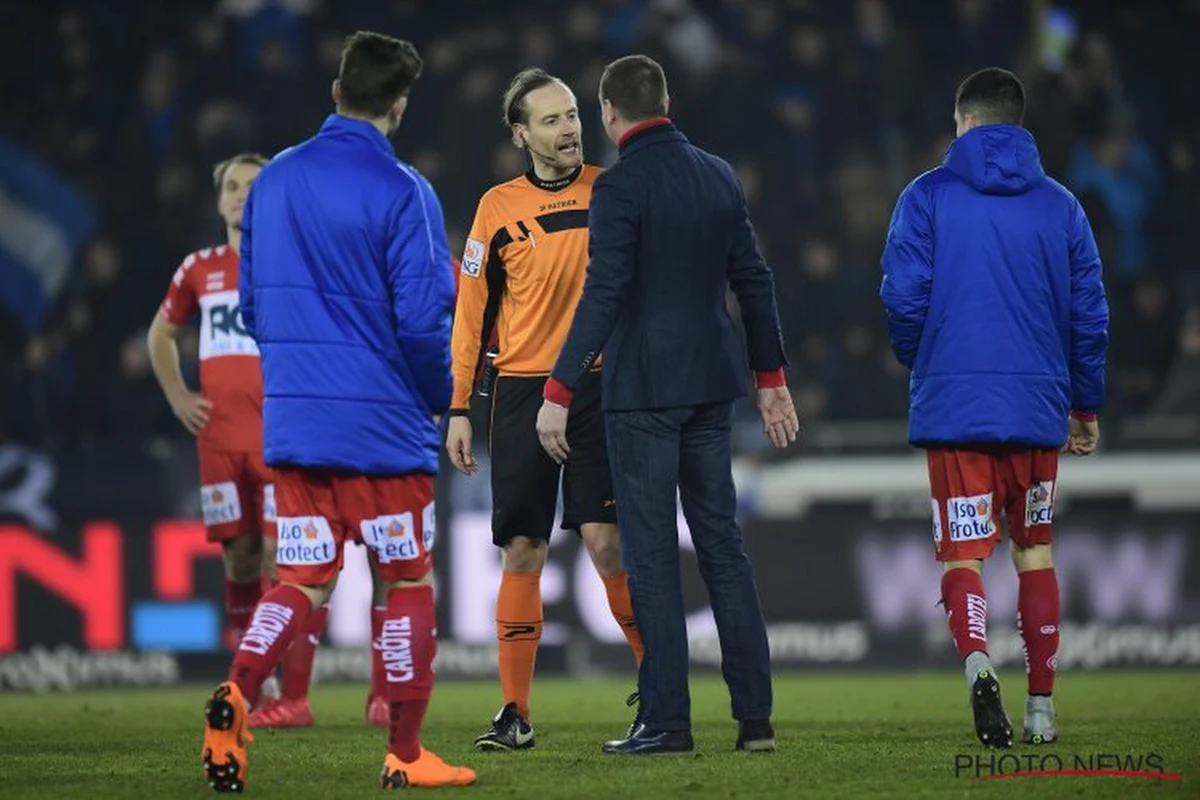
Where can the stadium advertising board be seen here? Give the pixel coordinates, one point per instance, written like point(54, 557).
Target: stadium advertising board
point(847, 582)
point(840, 588)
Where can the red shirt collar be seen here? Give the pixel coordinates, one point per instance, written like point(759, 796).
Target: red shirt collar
point(642, 126)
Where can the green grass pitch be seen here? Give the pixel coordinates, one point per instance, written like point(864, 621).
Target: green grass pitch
point(884, 735)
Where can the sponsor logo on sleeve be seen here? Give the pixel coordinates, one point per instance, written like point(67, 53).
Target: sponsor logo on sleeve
point(472, 262)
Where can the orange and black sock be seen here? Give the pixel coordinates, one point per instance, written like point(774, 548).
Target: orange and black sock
point(617, 588)
point(518, 630)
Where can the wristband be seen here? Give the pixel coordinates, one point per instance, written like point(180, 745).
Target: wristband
point(769, 379)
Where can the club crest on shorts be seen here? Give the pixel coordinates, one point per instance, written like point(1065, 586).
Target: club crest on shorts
point(970, 517)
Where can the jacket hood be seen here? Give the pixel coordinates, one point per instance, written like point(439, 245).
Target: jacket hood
point(996, 159)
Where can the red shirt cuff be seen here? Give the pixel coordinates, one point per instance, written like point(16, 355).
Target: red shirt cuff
point(558, 393)
point(770, 379)
point(1084, 416)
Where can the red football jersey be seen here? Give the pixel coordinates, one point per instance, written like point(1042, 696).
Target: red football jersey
point(230, 375)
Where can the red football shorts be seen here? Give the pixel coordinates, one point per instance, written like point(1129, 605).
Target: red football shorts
point(320, 510)
point(236, 495)
point(973, 487)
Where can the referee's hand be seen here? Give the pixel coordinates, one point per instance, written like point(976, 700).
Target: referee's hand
point(779, 419)
point(552, 431)
point(458, 445)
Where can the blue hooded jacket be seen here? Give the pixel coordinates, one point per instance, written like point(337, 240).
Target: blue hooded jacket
point(994, 297)
point(346, 285)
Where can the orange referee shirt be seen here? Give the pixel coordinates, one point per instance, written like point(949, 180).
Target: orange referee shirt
point(523, 271)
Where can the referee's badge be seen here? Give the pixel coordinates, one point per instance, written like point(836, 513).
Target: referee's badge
point(472, 261)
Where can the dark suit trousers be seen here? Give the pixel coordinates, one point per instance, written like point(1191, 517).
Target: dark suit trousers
point(652, 453)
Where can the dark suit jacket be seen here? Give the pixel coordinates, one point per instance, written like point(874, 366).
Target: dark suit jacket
point(668, 233)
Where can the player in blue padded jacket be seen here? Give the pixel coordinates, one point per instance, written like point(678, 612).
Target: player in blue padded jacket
point(346, 287)
point(994, 298)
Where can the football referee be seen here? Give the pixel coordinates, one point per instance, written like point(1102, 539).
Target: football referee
point(522, 273)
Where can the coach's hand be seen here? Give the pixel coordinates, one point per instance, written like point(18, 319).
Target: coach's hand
point(552, 431)
point(780, 422)
point(458, 445)
point(192, 410)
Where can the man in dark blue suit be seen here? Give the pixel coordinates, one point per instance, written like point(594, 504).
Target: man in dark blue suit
point(669, 233)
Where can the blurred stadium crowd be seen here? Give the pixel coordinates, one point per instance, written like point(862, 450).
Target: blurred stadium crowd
point(826, 108)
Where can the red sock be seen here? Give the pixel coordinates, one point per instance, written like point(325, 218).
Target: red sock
point(240, 600)
point(378, 681)
point(1038, 618)
point(280, 614)
point(966, 610)
point(298, 661)
point(408, 644)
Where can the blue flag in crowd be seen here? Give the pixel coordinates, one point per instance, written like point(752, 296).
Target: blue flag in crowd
point(44, 222)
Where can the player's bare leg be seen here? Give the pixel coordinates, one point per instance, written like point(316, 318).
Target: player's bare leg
point(1038, 618)
point(408, 644)
point(966, 612)
point(603, 544)
point(518, 633)
point(288, 706)
point(377, 702)
point(279, 616)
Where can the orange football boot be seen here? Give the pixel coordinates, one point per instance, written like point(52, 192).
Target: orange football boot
point(226, 733)
point(427, 771)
